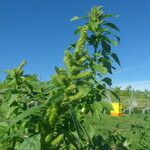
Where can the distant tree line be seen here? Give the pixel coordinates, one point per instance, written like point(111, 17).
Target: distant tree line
point(133, 101)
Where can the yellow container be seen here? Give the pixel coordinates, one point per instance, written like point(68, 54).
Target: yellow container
point(117, 109)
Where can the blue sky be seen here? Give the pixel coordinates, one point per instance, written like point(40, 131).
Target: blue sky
point(39, 31)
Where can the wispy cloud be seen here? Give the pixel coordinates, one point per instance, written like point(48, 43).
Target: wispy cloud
point(139, 85)
point(122, 70)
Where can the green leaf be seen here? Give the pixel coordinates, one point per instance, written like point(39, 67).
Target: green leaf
point(75, 121)
point(10, 136)
point(2, 91)
point(78, 30)
point(106, 48)
point(72, 46)
point(27, 113)
point(115, 95)
point(107, 16)
point(23, 63)
point(72, 140)
point(100, 68)
point(77, 18)
point(111, 25)
point(4, 126)
point(55, 97)
point(31, 143)
point(114, 43)
point(97, 108)
point(76, 124)
point(79, 128)
point(10, 111)
point(115, 57)
point(106, 63)
point(117, 37)
point(108, 81)
point(112, 34)
point(57, 69)
point(87, 134)
point(105, 38)
point(107, 105)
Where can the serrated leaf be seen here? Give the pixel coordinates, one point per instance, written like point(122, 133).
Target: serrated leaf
point(108, 81)
point(106, 48)
point(100, 68)
point(115, 57)
point(110, 33)
point(111, 25)
point(27, 113)
point(106, 63)
point(105, 38)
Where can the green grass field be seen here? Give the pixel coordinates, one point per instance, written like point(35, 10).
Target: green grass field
point(133, 130)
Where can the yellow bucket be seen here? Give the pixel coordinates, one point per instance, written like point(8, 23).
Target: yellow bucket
point(117, 109)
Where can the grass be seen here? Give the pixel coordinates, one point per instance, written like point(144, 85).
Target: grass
point(134, 128)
